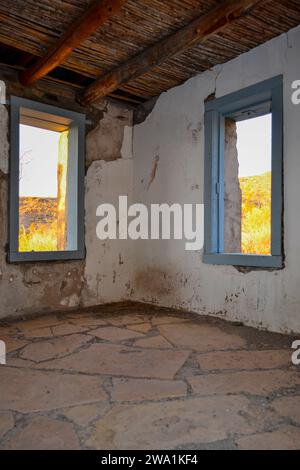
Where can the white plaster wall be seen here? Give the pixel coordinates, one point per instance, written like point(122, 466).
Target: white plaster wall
point(109, 263)
point(108, 266)
point(173, 135)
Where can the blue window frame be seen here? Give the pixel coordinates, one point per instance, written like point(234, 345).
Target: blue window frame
point(257, 100)
point(43, 119)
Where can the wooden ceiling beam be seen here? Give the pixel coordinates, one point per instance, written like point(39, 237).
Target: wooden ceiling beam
point(198, 30)
point(99, 12)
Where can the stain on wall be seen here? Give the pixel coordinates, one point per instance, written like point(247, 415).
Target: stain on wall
point(153, 172)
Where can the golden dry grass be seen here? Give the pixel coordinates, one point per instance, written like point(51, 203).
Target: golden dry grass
point(38, 237)
point(256, 214)
point(38, 224)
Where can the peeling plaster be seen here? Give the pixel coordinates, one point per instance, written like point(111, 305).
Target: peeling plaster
point(111, 139)
point(142, 112)
point(263, 299)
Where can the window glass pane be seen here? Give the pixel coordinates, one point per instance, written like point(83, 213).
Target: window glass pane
point(44, 205)
point(247, 188)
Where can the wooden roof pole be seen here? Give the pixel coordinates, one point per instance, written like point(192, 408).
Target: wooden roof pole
point(199, 29)
point(99, 12)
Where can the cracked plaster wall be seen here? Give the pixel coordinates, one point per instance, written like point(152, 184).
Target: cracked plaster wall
point(173, 136)
point(105, 275)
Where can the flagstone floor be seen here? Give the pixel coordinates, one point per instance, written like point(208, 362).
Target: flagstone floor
point(139, 377)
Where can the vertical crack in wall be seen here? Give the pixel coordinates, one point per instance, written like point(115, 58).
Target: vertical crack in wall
point(153, 172)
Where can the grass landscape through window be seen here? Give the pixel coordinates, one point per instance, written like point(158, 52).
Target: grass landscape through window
point(43, 188)
point(256, 213)
point(254, 146)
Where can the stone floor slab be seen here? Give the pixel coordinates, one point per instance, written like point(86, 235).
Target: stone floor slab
point(146, 389)
point(141, 327)
point(201, 337)
point(285, 438)
point(155, 342)
point(13, 344)
point(43, 433)
point(114, 360)
point(115, 334)
point(255, 382)
point(55, 347)
point(167, 425)
point(68, 329)
point(30, 391)
point(8, 330)
point(243, 360)
point(82, 415)
point(38, 333)
point(288, 407)
point(6, 423)
point(18, 362)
